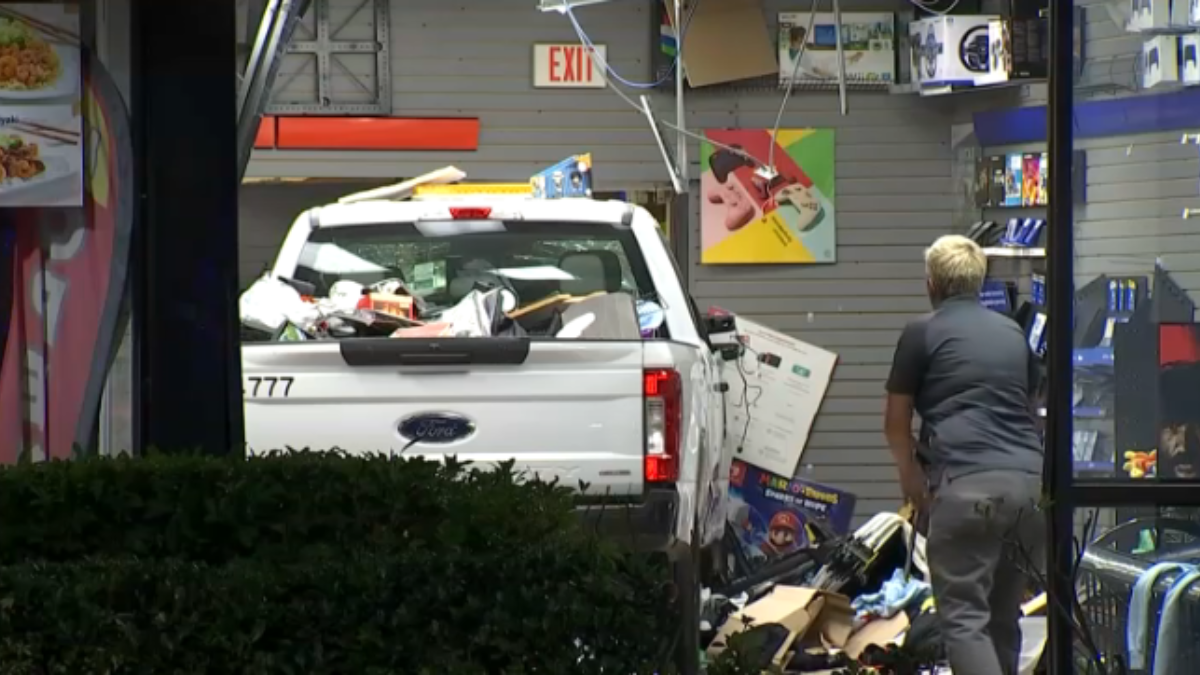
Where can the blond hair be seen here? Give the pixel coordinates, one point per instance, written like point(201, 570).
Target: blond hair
point(955, 265)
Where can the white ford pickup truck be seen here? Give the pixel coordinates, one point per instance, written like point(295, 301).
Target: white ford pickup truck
point(640, 421)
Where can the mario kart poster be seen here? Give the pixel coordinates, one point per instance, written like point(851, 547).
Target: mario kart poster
point(770, 512)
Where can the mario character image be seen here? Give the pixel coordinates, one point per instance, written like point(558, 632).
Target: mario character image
point(782, 534)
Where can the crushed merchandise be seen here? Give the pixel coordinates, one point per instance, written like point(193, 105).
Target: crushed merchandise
point(865, 601)
point(285, 310)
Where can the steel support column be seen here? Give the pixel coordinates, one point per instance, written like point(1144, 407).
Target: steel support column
point(187, 361)
point(1059, 472)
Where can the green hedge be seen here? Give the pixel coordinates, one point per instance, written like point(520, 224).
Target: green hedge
point(311, 563)
point(276, 507)
point(397, 614)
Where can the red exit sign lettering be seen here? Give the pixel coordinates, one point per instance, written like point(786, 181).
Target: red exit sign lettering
point(568, 66)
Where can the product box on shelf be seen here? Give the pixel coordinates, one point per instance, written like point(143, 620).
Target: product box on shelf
point(997, 295)
point(950, 50)
point(1160, 61)
point(1189, 63)
point(1147, 15)
point(1194, 13)
point(997, 168)
point(868, 42)
point(1000, 55)
point(1013, 177)
point(1030, 38)
point(1031, 176)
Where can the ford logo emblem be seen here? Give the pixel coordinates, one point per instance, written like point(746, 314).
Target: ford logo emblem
point(435, 429)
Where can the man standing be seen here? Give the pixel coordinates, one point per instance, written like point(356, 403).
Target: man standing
point(968, 372)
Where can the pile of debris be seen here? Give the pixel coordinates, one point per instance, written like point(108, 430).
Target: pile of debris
point(856, 603)
point(285, 310)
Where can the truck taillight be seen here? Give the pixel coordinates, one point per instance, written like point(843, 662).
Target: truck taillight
point(662, 392)
point(470, 212)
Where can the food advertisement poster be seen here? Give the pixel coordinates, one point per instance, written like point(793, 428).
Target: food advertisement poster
point(748, 218)
point(770, 513)
point(776, 387)
point(41, 123)
point(65, 276)
point(868, 41)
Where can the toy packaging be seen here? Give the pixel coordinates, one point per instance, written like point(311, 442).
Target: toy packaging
point(1013, 181)
point(997, 165)
point(571, 177)
point(950, 50)
point(868, 41)
point(770, 513)
point(1044, 180)
point(1031, 175)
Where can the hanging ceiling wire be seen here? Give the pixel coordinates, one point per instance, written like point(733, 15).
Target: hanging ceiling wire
point(767, 168)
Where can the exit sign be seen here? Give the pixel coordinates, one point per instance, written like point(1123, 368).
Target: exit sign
point(568, 66)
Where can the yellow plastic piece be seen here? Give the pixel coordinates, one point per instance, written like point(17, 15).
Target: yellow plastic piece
point(465, 189)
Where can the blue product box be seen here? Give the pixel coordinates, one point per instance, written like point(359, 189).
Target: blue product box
point(770, 512)
point(1030, 237)
point(994, 295)
point(571, 177)
point(1011, 232)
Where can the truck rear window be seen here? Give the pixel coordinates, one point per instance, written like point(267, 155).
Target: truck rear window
point(517, 264)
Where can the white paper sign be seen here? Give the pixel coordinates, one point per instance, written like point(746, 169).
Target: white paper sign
point(568, 66)
point(785, 382)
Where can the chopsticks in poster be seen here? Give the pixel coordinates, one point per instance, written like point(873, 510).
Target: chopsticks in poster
point(64, 136)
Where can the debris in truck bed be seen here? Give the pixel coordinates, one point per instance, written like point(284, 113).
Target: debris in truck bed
point(275, 309)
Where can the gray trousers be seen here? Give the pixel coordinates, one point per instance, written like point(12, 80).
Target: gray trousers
point(985, 533)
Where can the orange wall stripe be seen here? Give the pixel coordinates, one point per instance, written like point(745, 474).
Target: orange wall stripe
point(376, 133)
point(266, 133)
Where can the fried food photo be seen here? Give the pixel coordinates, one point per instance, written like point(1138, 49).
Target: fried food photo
point(18, 159)
point(27, 60)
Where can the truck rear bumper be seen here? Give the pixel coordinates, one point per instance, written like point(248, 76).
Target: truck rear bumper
point(647, 524)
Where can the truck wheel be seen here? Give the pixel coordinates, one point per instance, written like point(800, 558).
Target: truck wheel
point(685, 573)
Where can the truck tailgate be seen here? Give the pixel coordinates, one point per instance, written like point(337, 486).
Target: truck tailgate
point(571, 410)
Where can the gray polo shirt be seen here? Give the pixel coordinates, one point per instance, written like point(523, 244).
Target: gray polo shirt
point(971, 375)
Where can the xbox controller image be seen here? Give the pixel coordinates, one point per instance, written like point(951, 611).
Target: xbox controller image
point(805, 202)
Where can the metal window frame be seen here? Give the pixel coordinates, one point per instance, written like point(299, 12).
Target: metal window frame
point(1067, 494)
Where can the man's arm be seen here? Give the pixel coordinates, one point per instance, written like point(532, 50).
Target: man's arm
point(908, 371)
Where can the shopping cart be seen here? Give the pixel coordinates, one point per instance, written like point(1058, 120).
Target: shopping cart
point(1109, 569)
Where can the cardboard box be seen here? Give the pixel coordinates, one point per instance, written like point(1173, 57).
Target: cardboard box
point(1160, 61)
point(868, 41)
point(725, 41)
point(1189, 58)
point(1148, 14)
point(812, 618)
point(1159, 14)
point(950, 50)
